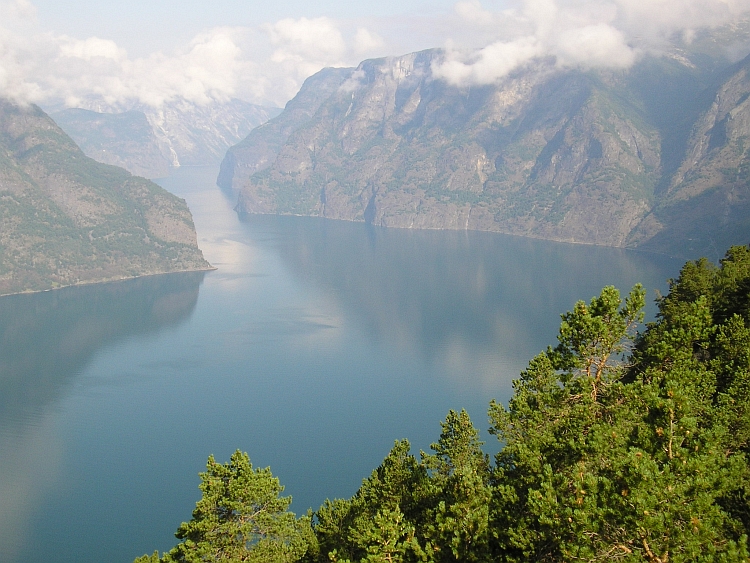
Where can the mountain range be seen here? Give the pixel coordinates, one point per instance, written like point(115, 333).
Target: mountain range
point(654, 157)
point(148, 140)
point(66, 219)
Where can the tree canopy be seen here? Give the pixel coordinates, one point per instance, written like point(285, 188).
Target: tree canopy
point(240, 517)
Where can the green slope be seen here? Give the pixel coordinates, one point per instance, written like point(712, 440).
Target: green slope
point(66, 219)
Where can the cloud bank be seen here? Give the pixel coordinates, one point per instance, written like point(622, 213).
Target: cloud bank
point(577, 33)
point(267, 63)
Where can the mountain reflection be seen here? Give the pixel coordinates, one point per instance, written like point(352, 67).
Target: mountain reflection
point(46, 339)
point(456, 296)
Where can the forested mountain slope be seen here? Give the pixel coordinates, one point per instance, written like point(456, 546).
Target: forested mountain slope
point(66, 219)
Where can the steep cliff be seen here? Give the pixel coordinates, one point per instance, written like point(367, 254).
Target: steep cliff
point(199, 135)
point(259, 149)
point(705, 205)
point(66, 219)
point(591, 156)
point(121, 139)
point(548, 154)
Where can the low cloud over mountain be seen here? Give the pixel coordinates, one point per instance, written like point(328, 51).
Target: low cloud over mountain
point(266, 64)
point(586, 34)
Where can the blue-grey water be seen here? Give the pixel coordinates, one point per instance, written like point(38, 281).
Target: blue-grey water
point(312, 347)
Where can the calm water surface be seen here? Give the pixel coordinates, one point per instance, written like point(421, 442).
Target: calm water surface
point(312, 347)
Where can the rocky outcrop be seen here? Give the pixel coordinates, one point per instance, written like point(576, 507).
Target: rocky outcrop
point(66, 219)
point(705, 207)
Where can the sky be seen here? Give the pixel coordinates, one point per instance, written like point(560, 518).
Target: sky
point(123, 54)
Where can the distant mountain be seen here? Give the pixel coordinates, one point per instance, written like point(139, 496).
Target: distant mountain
point(66, 219)
point(124, 139)
point(147, 141)
point(598, 157)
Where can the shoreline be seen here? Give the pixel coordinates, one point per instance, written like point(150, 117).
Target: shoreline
point(107, 281)
point(464, 229)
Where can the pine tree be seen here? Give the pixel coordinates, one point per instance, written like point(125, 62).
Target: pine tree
point(241, 517)
point(605, 460)
point(615, 446)
point(559, 432)
point(457, 528)
point(381, 519)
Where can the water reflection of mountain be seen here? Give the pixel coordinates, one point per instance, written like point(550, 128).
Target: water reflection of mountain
point(435, 290)
point(47, 338)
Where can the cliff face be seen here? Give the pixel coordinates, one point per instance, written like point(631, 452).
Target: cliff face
point(259, 149)
point(547, 154)
point(66, 219)
point(559, 154)
point(147, 141)
point(705, 206)
point(195, 135)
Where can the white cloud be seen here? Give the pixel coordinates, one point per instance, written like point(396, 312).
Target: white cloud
point(598, 45)
point(319, 36)
point(265, 64)
point(665, 17)
point(268, 63)
point(91, 48)
point(306, 42)
point(472, 11)
point(354, 82)
point(581, 33)
point(366, 42)
point(488, 64)
point(17, 9)
point(208, 68)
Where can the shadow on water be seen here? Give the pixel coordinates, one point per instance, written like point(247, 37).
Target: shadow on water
point(46, 340)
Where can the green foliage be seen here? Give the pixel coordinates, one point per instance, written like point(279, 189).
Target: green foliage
point(553, 478)
point(381, 519)
point(591, 337)
point(616, 446)
point(387, 537)
point(434, 509)
point(241, 517)
point(458, 524)
point(636, 461)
